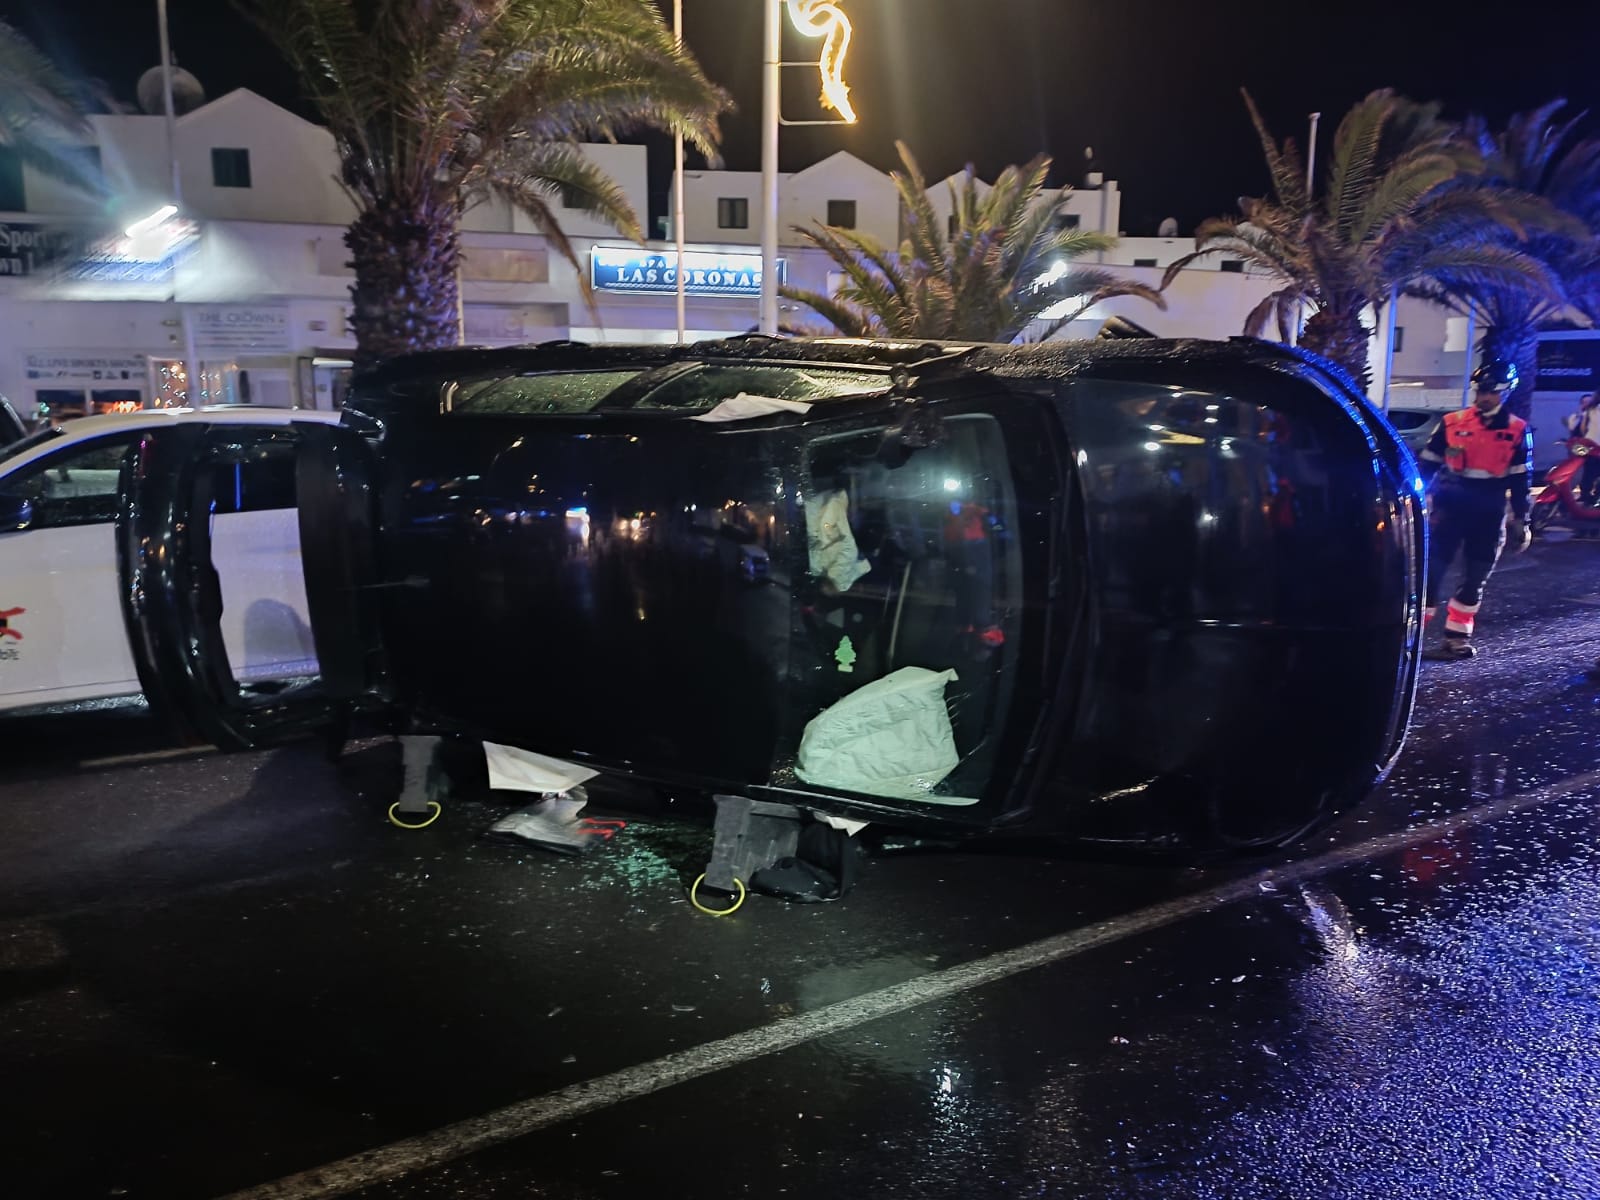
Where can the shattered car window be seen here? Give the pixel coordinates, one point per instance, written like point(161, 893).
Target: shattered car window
point(557, 393)
point(708, 386)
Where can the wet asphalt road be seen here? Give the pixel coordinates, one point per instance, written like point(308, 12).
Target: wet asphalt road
point(217, 972)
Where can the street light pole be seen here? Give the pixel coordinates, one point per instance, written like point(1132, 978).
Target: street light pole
point(677, 191)
point(771, 74)
point(192, 381)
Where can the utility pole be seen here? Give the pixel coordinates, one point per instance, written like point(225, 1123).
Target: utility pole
point(192, 378)
point(677, 191)
point(771, 75)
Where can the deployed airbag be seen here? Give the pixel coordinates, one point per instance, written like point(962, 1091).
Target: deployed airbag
point(890, 738)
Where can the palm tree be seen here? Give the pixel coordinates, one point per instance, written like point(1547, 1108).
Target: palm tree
point(999, 264)
point(42, 117)
point(434, 104)
point(1395, 215)
point(1535, 154)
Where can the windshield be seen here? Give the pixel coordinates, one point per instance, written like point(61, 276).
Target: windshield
point(28, 443)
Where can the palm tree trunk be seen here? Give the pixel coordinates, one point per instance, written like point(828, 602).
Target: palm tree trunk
point(1341, 337)
point(1517, 342)
point(404, 296)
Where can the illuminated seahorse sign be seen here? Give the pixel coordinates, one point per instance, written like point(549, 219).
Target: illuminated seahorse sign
point(825, 19)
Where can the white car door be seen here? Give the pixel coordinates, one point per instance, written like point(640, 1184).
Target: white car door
point(63, 636)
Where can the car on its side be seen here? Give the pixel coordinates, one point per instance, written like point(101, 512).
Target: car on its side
point(64, 636)
point(1139, 595)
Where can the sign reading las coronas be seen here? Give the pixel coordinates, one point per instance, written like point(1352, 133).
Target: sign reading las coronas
point(655, 272)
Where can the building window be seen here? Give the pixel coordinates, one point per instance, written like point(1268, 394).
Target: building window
point(230, 168)
point(12, 197)
point(572, 197)
point(1068, 221)
point(842, 214)
point(1399, 338)
point(733, 212)
point(951, 226)
point(1235, 265)
point(1145, 262)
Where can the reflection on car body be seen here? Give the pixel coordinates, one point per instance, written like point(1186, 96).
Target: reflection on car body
point(1138, 594)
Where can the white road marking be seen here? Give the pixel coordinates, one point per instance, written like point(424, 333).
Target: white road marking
point(540, 1112)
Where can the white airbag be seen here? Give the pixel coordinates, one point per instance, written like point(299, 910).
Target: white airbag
point(890, 738)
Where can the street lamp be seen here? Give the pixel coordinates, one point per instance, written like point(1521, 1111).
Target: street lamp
point(815, 19)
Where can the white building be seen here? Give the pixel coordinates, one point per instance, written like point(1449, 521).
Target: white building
point(254, 270)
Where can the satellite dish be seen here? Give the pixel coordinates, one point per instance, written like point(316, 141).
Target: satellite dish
point(187, 94)
point(1169, 228)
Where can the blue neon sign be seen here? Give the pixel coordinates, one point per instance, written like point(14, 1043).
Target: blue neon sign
point(655, 272)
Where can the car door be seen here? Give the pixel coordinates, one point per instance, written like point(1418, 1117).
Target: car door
point(197, 636)
point(61, 632)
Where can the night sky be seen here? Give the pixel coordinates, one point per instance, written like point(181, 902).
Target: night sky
point(1152, 85)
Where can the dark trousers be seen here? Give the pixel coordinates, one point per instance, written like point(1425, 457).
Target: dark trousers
point(1474, 527)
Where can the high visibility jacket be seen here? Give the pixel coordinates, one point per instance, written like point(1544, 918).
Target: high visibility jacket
point(1490, 454)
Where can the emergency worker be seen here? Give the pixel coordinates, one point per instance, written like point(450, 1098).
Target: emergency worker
point(1476, 459)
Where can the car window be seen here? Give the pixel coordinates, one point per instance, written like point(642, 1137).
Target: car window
point(251, 469)
point(75, 486)
point(914, 579)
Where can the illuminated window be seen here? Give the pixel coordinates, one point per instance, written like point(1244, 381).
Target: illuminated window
point(733, 212)
point(842, 214)
point(230, 168)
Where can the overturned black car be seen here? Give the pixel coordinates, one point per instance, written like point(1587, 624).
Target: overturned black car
point(1129, 593)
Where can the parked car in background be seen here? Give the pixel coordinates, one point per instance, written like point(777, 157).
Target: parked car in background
point(1143, 595)
point(63, 631)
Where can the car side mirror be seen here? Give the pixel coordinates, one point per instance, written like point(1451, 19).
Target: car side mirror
point(16, 513)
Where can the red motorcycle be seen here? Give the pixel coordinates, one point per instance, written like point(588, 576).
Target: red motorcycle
point(1562, 493)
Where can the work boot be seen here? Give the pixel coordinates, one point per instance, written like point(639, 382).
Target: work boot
point(1450, 650)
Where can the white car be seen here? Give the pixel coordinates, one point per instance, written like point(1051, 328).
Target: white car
point(63, 633)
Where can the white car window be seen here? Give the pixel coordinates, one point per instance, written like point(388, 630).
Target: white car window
point(74, 486)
